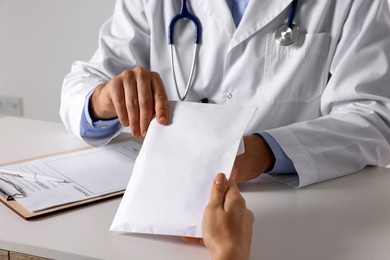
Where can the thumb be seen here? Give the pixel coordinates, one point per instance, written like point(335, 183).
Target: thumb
point(218, 190)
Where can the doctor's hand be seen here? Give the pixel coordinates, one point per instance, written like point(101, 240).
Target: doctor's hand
point(134, 96)
point(258, 158)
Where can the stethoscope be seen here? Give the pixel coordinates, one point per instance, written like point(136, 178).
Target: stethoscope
point(288, 34)
point(285, 35)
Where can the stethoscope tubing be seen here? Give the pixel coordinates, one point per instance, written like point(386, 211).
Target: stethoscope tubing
point(189, 82)
point(185, 14)
point(291, 15)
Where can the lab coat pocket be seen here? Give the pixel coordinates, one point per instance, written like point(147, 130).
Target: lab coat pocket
point(296, 73)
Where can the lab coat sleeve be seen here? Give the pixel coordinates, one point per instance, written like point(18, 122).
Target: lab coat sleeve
point(354, 129)
point(123, 44)
point(283, 164)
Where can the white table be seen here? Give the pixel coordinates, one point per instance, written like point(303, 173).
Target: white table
point(346, 218)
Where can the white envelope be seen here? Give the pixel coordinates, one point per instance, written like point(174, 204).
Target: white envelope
point(176, 166)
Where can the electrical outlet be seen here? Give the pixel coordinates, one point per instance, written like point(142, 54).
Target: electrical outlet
point(2, 107)
point(11, 106)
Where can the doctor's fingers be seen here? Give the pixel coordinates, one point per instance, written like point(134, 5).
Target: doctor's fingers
point(145, 96)
point(138, 111)
point(160, 99)
point(117, 96)
point(131, 111)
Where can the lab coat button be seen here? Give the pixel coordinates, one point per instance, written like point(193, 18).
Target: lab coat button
point(229, 95)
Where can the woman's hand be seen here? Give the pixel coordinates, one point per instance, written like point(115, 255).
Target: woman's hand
point(227, 223)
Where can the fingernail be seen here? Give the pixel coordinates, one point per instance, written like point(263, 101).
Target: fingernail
point(143, 133)
point(163, 119)
point(221, 179)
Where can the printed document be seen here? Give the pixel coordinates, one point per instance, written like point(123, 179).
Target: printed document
point(90, 173)
point(177, 164)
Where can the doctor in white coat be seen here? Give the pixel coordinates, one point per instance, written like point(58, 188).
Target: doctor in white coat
point(323, 102)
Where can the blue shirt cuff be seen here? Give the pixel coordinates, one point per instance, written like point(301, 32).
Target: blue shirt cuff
point(283, 163)
point(101, 128)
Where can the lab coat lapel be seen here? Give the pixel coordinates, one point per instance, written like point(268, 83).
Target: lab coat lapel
point(219, 11)
point(257, 15)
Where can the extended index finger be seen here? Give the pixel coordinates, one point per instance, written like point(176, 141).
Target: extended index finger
point(160, 99)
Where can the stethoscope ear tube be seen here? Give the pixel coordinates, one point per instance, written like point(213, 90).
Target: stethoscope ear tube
point(185, 14)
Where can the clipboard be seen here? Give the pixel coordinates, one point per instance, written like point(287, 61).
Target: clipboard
point(26, 214)
point(20, 210)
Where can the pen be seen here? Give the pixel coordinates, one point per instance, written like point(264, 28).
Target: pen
point(5, 194)
point(31, 176)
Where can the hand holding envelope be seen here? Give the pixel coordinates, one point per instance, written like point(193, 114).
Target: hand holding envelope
point(174, 171)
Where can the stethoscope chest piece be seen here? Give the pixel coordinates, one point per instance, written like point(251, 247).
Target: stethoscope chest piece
point(286, 35)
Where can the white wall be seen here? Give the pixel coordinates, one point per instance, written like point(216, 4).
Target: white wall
point(39, 39)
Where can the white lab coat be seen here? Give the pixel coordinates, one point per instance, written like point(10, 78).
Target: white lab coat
point(324, 99)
